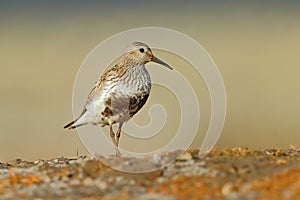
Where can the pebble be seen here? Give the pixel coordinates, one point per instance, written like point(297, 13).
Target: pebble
point(156, 158)
point(127, 162)
point(88, 181)
point(101, 184)
point(74, 182)
point(155, 197)
point(185, 156)
point(119, 179)
point(160, 180)
point(4, 173)
point(58, 185)
point(132, 182)
point(92, 168)
point(227, 189)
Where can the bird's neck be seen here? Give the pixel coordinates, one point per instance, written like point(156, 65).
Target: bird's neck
point(138, 77)
point(138, 71)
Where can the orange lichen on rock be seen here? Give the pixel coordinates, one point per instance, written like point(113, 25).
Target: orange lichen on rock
point(230, 173)
point(23, 180)
point(188, 187)
point(283, 185)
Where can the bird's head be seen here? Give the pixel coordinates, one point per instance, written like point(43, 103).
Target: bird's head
point(141, 53)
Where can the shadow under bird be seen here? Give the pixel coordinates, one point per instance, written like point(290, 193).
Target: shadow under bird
point(120, 93)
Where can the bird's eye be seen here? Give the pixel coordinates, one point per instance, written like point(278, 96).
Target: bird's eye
point(141, 50)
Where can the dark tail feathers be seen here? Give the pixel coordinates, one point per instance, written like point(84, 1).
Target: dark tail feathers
point(70, 125)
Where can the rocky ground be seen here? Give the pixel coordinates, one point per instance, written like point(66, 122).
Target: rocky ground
point(232, 173)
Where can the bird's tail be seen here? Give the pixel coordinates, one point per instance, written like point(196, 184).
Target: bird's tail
point(76, 123)
point(71, 125)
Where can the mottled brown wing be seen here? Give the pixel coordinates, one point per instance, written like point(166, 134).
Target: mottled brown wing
point(111, 73)
point(97, 86)
point(95, 89)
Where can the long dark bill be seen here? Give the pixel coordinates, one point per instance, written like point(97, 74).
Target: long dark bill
point(156, 60)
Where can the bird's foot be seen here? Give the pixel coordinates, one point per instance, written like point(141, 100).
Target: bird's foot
point(118, 153)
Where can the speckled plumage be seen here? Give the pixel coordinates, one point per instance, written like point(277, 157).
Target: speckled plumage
point(120, 93)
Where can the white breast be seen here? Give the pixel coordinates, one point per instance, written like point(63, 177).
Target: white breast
point(133, 82)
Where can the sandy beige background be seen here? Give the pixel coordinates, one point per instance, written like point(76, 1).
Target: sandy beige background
point(256, 47)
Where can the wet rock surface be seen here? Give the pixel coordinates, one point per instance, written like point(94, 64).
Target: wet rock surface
point(232, 173)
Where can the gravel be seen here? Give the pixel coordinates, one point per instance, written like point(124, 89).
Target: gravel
point(232, 173)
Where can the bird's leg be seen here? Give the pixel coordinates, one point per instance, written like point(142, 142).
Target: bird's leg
point(118, 134)
point(112, 135)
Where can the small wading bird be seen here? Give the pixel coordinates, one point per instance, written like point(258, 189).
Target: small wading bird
point(120, 93)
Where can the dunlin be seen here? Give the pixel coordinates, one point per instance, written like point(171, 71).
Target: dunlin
point(120, 93)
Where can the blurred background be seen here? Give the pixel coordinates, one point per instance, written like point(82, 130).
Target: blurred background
point(255, 44)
